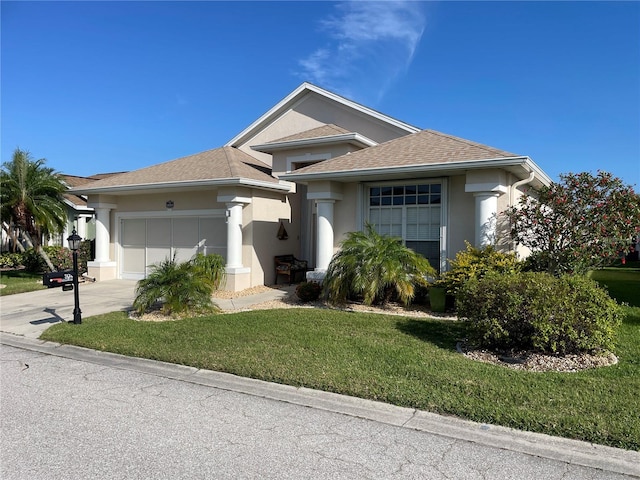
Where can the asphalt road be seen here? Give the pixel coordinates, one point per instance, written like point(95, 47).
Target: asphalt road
point(70, 413)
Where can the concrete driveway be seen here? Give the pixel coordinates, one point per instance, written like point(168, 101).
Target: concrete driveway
point(29, 314)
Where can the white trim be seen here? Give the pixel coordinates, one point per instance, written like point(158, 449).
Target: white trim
point(363, 196)
point(233, 199)
point(237, 270)
point(354, 138)
point(485, 187)
point(306, 158)
point(320, 196)
point(444, 224)
point(135, 188)
point(77, 208)
point(525, 162)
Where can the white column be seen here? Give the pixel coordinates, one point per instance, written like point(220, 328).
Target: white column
point(325, 234)
point(485, 218)
point(234, 235)
point(103, 237)
point(82, 227)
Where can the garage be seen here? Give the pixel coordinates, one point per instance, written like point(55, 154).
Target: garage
point(146, 241)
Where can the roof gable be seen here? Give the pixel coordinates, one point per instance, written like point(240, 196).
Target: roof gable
point(298, 95)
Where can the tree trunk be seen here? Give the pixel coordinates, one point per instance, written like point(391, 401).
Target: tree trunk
point(12, 236)
point(41, 251)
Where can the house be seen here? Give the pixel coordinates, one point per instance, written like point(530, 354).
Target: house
point(317, 166)
point(79, 215)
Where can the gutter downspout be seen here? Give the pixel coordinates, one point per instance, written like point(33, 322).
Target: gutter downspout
point(512, 194)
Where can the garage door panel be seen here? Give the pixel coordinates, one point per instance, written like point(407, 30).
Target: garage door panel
point(148, 241)
point(133, 260)
point(134, 232)
point(156, 255)
point(185, 232)
point(159, 232)
point(213, 236)
point(185, 254)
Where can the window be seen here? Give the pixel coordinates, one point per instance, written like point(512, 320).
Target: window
point(411, 212)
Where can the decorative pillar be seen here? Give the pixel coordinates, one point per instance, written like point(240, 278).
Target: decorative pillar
point(103, 237)
point(234, 235)
point(325, 234)
point(238, 276)
point(81, 227)
point(102, 267)
point(485, 218)
point(486, 185)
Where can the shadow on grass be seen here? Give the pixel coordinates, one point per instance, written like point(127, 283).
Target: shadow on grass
point(441, 333)
point(633, 316)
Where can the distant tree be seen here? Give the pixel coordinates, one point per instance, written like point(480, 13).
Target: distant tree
point(376, 267)
point(31, 199)
point(577, 224)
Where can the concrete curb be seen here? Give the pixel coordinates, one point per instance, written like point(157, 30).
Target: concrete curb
point(555, 448)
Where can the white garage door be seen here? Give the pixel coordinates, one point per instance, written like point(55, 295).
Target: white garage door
point(145, 241)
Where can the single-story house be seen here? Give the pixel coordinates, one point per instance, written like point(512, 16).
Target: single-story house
point(315, 166)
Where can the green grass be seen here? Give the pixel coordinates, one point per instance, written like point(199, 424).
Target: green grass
point(398, 360)
point(623, 283)
point(18, 281)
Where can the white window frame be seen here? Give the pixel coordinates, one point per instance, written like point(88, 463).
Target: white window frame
point(444, 209)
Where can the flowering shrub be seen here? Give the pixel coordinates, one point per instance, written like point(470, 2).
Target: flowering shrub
point(61, 258)
point(537, 311)
point(10, 260)
point(476, 263)
point(576, 225)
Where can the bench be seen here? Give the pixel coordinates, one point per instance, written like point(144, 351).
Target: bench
point(291, 267)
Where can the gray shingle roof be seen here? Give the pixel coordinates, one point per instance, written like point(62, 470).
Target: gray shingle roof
point(322, 131)
point(421, 148)
point(218, 164)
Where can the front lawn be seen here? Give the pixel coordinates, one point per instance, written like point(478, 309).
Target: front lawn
point(623, 283)
point(19, 281)
point(400, 360)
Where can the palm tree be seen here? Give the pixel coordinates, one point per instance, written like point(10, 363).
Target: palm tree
point(31, 199)
point(375, 266)
point(180, 287)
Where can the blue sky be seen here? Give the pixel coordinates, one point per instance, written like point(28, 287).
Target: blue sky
point(111, 86)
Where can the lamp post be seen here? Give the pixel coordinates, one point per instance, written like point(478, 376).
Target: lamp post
point(74, 244)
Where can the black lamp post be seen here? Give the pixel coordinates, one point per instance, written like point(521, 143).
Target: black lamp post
point(74, 244)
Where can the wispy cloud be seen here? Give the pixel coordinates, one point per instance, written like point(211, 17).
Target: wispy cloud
point(369, 45)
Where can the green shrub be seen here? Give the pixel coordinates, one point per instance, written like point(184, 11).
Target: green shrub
point(476, 263)
point(61, 258)
point(33, 262)
point(180, 288)
point(536, 311)
point(308, 291)
point(10, 260)
point(376, 267)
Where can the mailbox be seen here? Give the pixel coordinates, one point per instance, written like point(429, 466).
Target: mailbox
point(62, 279)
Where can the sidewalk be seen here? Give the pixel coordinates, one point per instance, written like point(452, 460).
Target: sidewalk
point(30, 314)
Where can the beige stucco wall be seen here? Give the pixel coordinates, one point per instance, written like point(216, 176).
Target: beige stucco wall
point(282, 160)
point(345, 215)
point(261, 221)
point(314, 111)
point(461, 216)
point(156, 202)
